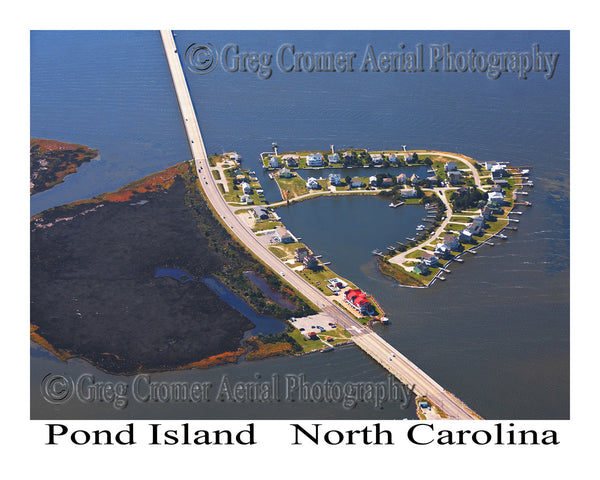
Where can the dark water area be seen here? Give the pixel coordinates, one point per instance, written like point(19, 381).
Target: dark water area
point(496, 332)
point(262, 323)
point(261, 284)
point(173, 273)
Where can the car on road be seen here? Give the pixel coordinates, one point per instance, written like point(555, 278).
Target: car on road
point(282, 274)
point(301, 329)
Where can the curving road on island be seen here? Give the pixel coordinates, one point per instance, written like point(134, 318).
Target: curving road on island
point(406, 371)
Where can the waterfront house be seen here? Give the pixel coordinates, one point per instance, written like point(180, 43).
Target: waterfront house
point(421, 269)
point(393, 158)
point(377, 158)
point(335, 179)
point(451, 242)
point(401, 179)
point(501, 182)
point(283, 236)
point(333, 158)
point(312, 184)
point(240, 177)
point(387, 182)
point(247, 199)
point(487, 212)
point(466, 236)
point(408, 158)
point(300, 254)
point(261, 212)
point(285, 173)
point(356, 183)
point(490, 165)
point(414, 178)
point(408, 193)
point(477, 226)
point(273, 162)
point(450, 167)
point(292, 161)
point(497, 188)
point(496, 197)
point(235, 157)
point(314, 160)
point(498, 171)
point(358, 300)
point(311, 262)
point(442, 250)
point(429, 259)
point(245, 186)
point(373, 181)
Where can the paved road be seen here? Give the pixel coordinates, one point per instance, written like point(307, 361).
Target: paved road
point(370, 342)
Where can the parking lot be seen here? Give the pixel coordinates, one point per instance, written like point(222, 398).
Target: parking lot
point(313, 323)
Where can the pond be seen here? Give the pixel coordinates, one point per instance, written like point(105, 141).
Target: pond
point(262, 324)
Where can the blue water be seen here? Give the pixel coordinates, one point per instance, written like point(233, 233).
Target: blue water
point(497, 332)
point(262, 323)
point(174, 273)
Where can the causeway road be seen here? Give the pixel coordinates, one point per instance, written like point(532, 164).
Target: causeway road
point(370, 342)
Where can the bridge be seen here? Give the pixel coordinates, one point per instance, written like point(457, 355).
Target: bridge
point(375, 346)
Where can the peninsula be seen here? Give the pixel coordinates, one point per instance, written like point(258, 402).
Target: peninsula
point(468, 203)
point(51, 161)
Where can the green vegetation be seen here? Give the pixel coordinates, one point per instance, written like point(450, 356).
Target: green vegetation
point(397, 273)
point(51, 161)
point(261, 225)
point(296, 186)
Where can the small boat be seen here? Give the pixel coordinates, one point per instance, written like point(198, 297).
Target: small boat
point(420, 228)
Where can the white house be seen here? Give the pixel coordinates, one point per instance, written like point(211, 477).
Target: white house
point(441, 250)
point(247, 199)
point(273, 162)
point(335, 179)
point(246, 187)
point(314, 160)
point(377, 158)
point(334, 158)
point(312, 183)
point(373, 180)
point(450, 167)
point(497, 197)
point(408, 193)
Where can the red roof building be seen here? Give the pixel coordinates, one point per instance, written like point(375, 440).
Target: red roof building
point(359, 300)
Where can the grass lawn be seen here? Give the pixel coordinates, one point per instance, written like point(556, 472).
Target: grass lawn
point(319, 278)
point(261, 225)
point(285, 250)
point(295, 185)
point(306, 344)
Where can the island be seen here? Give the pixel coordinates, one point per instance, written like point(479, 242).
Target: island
point(50, 161)
point(120, 281)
